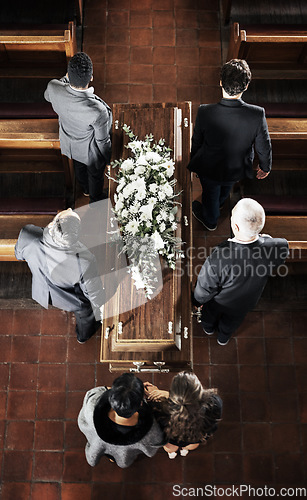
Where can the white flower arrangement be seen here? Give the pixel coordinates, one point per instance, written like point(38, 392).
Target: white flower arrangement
point(145, 208)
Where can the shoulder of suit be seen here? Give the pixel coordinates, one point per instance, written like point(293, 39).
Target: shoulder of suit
point(280, 242)
point(205, 107)
point(31, 230)
point(254, 107)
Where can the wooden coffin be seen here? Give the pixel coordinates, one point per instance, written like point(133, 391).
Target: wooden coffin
point(156, 335)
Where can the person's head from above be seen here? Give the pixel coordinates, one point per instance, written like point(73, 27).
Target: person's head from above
point(126, 395)
point(247, 219)
point(80, 71)
point(186, 389)
point(64, 228)
point(234, 78)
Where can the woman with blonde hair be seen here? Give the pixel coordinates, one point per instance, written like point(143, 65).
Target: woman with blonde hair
point(188, 413)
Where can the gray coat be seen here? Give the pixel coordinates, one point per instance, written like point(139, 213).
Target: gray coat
point(85, 122)
point(56, 271)
point(95, 447)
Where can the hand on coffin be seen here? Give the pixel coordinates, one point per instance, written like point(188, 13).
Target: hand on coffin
point(152, 393)
point(261, 174)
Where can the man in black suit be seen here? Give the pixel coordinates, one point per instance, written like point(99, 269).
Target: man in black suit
point(63, 270)
point(223, 142)
point(232, 279)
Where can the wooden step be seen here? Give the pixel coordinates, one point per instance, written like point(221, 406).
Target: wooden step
point(29, 134)
point(43, 206)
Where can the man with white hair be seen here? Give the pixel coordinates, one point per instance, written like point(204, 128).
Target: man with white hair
point(233, 277)
point(64, 271)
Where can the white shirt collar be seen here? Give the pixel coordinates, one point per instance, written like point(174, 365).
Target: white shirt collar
point(89, 89)
point(244, 242)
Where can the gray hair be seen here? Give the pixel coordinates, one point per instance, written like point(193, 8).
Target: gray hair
point(249, 215)
point(65, 230)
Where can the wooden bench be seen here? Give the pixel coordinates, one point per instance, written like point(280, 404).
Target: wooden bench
point(40, 52)
point(294, 229)
point(29, 145)
point(272, 51)
point(10, 228)
point(48, 11)
point(289, 137)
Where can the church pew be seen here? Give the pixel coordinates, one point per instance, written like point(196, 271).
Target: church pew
point(46, 12)
point(29, 146)
point(37, 51)
point(294, 229)
point(272, 51)
point(265, 11)
point(288, 136)
point(10, 228)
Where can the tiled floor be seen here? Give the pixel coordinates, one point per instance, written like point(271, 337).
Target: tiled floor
point(153, 50)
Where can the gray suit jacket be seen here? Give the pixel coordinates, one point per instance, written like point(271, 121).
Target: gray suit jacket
point(56, 271)
point(85, 122)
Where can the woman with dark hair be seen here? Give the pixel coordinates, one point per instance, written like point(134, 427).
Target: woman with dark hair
point(118, 423)
point(188, 413)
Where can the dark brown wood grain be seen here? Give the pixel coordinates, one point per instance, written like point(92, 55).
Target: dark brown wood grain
point(145, 332)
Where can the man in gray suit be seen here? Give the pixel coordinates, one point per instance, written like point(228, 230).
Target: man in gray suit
point(85, 123)
point(63, 270)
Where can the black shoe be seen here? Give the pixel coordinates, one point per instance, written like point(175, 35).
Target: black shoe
point(220, 342)
point(197, 212)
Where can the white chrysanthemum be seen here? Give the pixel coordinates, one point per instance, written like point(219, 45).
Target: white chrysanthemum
point(139, 184)
point(153, 157)
point(128, 190)
point(140, 194)
point(162, 227)
point(141, 160)
point(140, 170)
point(174, 226)
point(132, 226)
point(127, 165)
point(134, 209)
point(153, 187)
point(157, 240)
point(159, 218)
point(168, 190)
point(125, 213)
point(163, 214)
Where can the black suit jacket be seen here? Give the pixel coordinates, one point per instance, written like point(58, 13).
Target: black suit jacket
point(235, 274)
point(224, 138)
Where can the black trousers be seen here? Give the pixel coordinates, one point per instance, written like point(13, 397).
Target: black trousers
point(86, 324)
point(91, 178)
point(226, 321)
point(213, 197)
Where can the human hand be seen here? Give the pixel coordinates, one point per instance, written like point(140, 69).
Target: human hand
point(261, 174)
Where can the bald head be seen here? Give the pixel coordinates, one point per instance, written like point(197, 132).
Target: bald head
point(248, 218)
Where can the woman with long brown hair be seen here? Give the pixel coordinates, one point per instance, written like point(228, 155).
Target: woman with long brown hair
point(188, 413)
